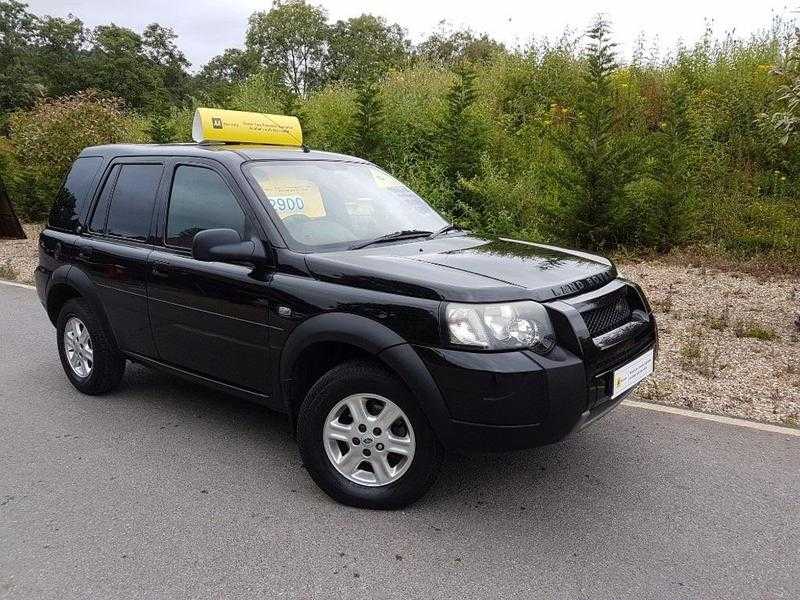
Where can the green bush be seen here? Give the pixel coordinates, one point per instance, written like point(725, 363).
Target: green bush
point(259, 93)
point(415, 103)
point(47, 138)
point(329, 119)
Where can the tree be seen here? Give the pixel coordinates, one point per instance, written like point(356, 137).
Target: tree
point(599, 163)
point(448, 47)
point(368, 142)
point(290, 39)
point(218, 78)
point(232, 66)
point(161, 129)
point(158, 45)
point(117, 64)
point(675, 171)
point(19, 85)
point(785, 119)
point(48, 137)
point(259, 93)
point(364, 48)
point(461, 139)
point(459, 146)
point(58, 55)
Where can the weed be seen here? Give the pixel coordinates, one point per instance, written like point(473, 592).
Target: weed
point(7, 271)
point(665, 303)
point(695, 357)
point(718, 322)
point(691, 351)
point(653, 391)
point(746, 329)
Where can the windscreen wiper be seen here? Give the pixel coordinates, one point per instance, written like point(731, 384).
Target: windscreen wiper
point(445, 229)
point(389, 237)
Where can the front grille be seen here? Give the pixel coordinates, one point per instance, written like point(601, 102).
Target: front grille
point(602, 366)
point(607, 314)
point(609, 360)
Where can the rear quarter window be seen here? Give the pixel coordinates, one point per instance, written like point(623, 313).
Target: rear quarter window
point(72, 196)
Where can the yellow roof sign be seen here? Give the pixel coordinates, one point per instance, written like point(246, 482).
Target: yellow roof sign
point(217, 125)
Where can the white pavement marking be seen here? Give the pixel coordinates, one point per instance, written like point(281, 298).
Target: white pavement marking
point(19, 285)
point(716, 418)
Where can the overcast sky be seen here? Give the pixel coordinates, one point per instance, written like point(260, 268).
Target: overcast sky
point(206, 27)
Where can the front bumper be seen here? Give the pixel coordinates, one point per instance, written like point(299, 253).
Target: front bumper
point(514, 400)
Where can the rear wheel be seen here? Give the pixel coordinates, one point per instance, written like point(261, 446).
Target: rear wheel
point(87, 351)
point(364, 439)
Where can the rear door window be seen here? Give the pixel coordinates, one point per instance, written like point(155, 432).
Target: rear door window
point(199, 200)
point(132, 201)
point(72, 195)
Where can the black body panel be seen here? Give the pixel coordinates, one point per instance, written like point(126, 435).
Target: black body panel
point(119, 273)
point(466, 269)
point(210, 318)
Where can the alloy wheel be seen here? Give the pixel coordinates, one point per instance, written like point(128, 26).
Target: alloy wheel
point(78, 347)
point(369, 439)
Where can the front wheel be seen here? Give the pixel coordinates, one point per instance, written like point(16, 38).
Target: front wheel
point(364, 439)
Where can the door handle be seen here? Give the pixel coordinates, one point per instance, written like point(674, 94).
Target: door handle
point(160, 268)
point(85, 251)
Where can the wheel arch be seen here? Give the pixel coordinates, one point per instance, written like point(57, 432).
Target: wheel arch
point(58, 292)
point(73, 283)
point(326, 340)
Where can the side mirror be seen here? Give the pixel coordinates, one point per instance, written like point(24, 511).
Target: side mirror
point(225, 245)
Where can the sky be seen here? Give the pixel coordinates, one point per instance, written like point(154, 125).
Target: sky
point(206, 27)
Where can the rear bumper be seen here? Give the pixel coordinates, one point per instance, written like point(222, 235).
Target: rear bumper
point(515, 400)
point(41, 277)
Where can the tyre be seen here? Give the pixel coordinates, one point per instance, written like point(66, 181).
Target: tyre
point(88, 353)
point(364, 439)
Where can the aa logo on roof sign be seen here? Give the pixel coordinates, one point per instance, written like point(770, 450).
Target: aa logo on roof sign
point(216, 122)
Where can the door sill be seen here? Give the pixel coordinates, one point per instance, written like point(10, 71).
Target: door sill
point(234, 390)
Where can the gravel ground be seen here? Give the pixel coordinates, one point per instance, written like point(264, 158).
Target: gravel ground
point(729, 341)
point(19, 257)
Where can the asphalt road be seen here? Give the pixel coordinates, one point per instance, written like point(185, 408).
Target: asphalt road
point(167, 490)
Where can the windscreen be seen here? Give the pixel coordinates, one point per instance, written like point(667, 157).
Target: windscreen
point(327, 204)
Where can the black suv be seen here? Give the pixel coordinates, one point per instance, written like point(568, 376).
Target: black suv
point(322, 287)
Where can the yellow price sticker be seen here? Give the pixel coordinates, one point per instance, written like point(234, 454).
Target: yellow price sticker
point(384, 180)
point(290, 196)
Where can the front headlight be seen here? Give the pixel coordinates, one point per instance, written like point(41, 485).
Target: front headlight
point(507, 326)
